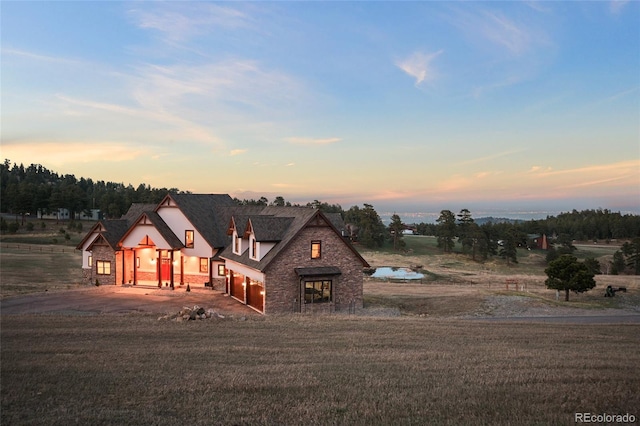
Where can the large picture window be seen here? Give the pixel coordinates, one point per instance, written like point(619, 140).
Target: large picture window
point(188, 238)
point(103, 267)
point(317, 291)
point(316, 249)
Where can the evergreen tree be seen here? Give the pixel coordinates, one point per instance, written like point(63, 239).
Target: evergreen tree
point(568, 274)
point(446, 230)
point(395, 229)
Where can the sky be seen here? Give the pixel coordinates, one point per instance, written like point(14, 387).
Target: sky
point(408, 106)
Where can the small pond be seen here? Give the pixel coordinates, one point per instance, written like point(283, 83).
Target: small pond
point(392, 273)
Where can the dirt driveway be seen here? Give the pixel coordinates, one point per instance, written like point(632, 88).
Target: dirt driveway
point(116, 299)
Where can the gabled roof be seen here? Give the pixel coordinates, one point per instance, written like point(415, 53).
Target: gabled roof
point(206, 214)
point(269, 228)
point(112, 230)
point(164, 230)
point(288, 222)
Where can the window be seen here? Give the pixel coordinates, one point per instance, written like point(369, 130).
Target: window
point(188, 238)
point(204, 264)
point(315, 249)
point(254, 248)
point(90, 261)
point(317, 291)
point(221, 270)
point(237, 244)
point(103, 267)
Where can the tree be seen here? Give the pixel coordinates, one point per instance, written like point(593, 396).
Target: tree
point(593, 265)
point(509, 249)
point(446, 230)
point(631, 250)
point(568, 274)
point(465, 230)
point(370, 229)
point(395, 229)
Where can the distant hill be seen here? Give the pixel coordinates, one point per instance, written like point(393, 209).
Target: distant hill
point(491, 219)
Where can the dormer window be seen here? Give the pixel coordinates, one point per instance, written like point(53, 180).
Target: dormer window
point(254, 248)
point(237, 244)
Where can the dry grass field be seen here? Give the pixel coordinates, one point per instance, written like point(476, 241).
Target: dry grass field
point(312, 370)
point(418, 354)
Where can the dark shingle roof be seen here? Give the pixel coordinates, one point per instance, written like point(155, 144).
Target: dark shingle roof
point(270, 228)
point(206, 213)
point(287, 222)
point(136, 210)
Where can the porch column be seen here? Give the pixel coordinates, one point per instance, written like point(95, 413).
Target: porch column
point(182, 259)
point(171, 268)
point(124, 269)
point(159, 268)
point(135, 267)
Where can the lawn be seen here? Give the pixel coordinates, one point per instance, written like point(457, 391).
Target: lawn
point(312, 370)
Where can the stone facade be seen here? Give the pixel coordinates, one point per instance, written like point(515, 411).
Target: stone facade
point(103, 254)
point(284, 288)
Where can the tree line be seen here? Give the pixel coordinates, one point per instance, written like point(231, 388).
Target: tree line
point(27, 190)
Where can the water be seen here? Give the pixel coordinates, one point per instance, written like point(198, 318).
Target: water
point(397, 273)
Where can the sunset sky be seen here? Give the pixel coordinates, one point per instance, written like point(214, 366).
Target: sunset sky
point(409, 106)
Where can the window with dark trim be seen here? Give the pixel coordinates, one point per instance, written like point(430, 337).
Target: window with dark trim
point(316, 249)
point(204, 264)
point(254, 248)
point(188, 238)
point(221, 270)
point(317, 291)
point(103, 267)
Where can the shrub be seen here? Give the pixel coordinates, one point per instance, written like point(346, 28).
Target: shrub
point(29, 226)
point(13, 227)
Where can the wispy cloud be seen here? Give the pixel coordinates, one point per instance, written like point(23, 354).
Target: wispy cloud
point(181, 21)
point(616, 6)
point(491, 157)
point(39, 57)
point(235, 152)
point(312, 141)
point(418, 66)
point(59, 154)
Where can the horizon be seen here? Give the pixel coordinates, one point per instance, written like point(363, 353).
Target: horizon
point(415, 107)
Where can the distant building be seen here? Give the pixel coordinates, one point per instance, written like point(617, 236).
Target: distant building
point(539, 242)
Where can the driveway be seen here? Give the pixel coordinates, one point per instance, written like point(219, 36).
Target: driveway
point(117, 299)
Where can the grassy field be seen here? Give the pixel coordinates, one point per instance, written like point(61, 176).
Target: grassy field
point(423, 366)
point(312, 370)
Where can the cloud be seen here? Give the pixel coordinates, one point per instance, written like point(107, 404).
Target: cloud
point(491, 157)
point(312, 141)
point(235, 152)
point(419, 66)
point(616, 6)
point(61, 154)
point(181, 21)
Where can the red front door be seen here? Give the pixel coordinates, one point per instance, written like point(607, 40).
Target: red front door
point(165, 269)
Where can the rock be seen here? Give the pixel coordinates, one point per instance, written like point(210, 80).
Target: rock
point(179, 319)
point(200, 311)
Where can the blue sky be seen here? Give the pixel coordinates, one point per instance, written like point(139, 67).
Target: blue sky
point(409, 106)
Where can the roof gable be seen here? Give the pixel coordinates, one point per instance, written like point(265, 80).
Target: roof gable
point(287, 223)
point(205, 212)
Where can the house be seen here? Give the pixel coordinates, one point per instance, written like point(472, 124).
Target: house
point(273, 259)
point(292, 259)
point(172, 243)
point(539, 242)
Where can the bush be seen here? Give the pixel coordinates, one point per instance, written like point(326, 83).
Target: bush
point(29, 226)
point(3, 224)
point(13, 227)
